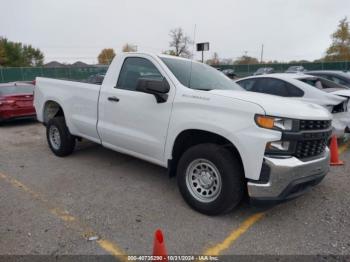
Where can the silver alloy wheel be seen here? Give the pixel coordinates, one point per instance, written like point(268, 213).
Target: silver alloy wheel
point(203, 180)
point(55, 138)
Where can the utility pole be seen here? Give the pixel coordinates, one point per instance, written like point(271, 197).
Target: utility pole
point(262, 53)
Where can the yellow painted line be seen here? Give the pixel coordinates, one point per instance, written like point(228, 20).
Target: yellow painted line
point(234, 235)
point(246, 224)
point(112, 248)
point(343, 147)
point(69, 220)
point(62, 214)
point(18, 184)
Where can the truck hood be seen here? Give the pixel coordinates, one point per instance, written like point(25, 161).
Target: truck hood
point(279, 106)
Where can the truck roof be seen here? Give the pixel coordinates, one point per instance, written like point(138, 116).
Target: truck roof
point(160, 56)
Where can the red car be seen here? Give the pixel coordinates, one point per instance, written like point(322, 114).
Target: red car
point(16, 101)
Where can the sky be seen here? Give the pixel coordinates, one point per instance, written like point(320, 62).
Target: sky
point(72, 30)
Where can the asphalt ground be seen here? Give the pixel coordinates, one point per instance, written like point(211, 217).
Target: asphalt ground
point(97, 202)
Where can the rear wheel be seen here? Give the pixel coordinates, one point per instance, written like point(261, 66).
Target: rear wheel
point(210, 179)
point(60, 140)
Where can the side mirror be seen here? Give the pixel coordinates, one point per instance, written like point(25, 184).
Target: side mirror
point(157, 87)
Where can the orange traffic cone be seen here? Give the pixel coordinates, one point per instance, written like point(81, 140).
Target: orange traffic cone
point(335, 161)
point(159, 246)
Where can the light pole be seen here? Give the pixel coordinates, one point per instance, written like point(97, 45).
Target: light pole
point(262, 53)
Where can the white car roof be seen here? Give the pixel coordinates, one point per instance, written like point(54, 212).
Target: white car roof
point(282, 76)
point(311, 93)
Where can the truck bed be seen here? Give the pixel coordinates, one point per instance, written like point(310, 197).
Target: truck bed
point(78, 99)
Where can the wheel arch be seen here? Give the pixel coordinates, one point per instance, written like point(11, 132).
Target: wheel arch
point(191, 137)
point(52, 109)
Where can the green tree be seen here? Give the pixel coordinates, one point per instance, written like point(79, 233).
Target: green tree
point(2, 53)
point(246, 60)
point(32, 56)
point(340, 47)
point(106, 56)
point(17, 54)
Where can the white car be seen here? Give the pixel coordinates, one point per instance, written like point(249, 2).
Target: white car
point(306, 88)
point(218, 139)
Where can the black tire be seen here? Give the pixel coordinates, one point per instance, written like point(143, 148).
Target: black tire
point(231, 173)
point(67, 141)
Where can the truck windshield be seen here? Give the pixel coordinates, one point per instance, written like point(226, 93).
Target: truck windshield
point(203, 77)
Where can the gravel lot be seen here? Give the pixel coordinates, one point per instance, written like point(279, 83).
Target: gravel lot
point(51, 205)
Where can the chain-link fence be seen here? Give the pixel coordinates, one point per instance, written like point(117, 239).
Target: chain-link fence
point(11, 74)
point(245, 70)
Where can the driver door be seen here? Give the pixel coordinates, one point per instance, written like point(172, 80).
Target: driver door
point(132, 121)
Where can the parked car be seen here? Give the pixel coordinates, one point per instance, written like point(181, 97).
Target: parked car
point(218, 139)
point(323, 83)
point(264, 71)
point(16, 101)
point(306, 88)
point(295, 69)
point(230, 73)
point(96, 79)
point(339, 77)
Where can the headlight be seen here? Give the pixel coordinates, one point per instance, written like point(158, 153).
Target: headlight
point(276, 123)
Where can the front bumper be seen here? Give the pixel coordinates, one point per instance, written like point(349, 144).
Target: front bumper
point(288, 177)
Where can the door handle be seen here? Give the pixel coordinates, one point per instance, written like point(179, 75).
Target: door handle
point(113, 99)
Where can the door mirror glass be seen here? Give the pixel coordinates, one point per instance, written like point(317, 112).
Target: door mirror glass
point(157, 87)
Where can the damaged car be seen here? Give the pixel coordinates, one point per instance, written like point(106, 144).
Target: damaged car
point(339, 77)
point(307, 88)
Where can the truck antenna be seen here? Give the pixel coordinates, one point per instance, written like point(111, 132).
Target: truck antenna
point(192, 55)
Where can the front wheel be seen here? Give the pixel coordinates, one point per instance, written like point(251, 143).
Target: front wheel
point(210, 179)
point(60, 140)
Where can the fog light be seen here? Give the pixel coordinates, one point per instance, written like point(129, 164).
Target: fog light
point(278, 146)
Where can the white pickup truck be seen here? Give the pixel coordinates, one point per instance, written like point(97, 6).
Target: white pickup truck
point(220, 141)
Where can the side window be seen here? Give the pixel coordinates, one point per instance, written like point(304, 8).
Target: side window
point(326, 76)
point(247, 84)
point(277, 87)
point(338, 80)
point(271, 86)
point(133, 69)
point(294, 91)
